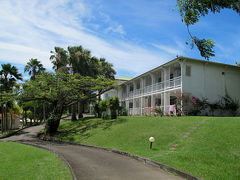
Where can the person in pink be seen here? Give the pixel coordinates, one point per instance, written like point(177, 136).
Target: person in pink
point(171, 109)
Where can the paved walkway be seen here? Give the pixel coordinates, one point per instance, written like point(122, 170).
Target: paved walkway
point(93, 164)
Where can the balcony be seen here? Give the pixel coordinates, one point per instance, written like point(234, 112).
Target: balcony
point(157, 87)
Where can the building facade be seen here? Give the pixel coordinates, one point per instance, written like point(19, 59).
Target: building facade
point(160, 86)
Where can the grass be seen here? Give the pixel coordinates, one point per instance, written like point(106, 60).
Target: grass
point(211, 151)
point(7, 133)
point(22, 162)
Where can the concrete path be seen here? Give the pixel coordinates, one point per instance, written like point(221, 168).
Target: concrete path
point(93, 164)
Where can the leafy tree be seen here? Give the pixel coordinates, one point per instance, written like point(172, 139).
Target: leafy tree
point(34, 68)
point(192, 10)
point(62, 90)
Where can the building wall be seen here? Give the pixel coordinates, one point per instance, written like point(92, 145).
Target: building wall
point(211, 81)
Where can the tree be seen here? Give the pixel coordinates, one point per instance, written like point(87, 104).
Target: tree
point(9, 76)
point(60, 60)
point(192, 10)
point(34, 68)
point(62, 90)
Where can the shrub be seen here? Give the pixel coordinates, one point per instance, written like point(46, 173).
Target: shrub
point(122, 111)
point(113, 104)
point(52, 124)
point(157, 111)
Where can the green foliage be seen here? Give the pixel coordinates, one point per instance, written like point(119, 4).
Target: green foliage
point(61, 90)
point(229, 104)
point(122, 111)
point(157, 111)
point(105, 115)
point(192, 10)
point(113, 104)
point(103, 105)
point(205, 47)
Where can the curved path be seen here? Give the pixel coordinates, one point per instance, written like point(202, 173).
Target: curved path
point(92, 164)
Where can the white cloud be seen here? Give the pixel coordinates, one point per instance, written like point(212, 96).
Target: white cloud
point(33, 28)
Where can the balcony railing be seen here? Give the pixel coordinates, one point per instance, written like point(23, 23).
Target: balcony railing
point(157, 87)
point(148, 110)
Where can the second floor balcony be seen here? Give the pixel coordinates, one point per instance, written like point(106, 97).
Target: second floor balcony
point(155, 88)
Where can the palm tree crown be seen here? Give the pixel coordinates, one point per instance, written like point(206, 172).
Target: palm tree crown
point(34, 68)
point(9, 75)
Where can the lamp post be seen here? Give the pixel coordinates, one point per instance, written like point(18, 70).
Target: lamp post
point(151, 139)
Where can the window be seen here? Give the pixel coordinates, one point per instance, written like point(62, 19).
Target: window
point(130, 105)
point(188, 70)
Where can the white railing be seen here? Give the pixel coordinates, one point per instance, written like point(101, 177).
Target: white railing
point(135, 111)
point(148, 110)
point(157, 87)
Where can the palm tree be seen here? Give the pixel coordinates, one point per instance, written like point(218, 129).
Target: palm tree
point(60, 60)
point(9, 76)
point(34, 68)
point(106, 69)
point(79, 60)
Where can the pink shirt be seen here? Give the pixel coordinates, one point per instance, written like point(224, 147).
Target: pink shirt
point(171, 108)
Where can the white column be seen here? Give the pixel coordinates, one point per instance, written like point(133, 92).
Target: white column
point(152, 77)
point(152, 100)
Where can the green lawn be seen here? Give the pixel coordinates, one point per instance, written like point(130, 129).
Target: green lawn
point(18, 161)
point(211, 151)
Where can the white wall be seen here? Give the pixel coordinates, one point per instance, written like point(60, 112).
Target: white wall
point(207, 80)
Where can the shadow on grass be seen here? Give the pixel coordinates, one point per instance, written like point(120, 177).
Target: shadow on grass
point(84, 125)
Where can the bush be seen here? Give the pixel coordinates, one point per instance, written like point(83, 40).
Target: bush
point(157, 111)
point(105, 115)
point(52, 124)
point(113, 104)
point(122, 111)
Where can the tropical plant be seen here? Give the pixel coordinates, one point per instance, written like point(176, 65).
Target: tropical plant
point(60, 60)
point(9, 76)
point(34, 68)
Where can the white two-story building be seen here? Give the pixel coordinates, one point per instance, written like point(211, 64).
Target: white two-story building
point(160, 86)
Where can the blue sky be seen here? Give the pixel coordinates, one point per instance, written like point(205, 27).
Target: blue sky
point(134, 35)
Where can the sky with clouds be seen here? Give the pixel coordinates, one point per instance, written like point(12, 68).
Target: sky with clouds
point(135, 36)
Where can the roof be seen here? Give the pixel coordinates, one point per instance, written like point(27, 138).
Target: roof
point(124, 78)
point(180, 58)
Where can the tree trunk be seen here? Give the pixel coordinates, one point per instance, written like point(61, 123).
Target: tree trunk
point(25, 118)
point(6, 119)
point(53, 121)
point(74, 118)
point(80, 114)
point(44, 113)
point(2, 120)
point(34, 114)
point(11, 121)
